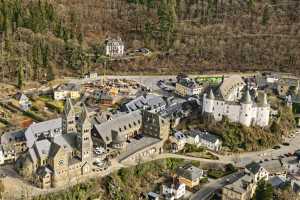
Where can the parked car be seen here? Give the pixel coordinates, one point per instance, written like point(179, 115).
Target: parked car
point(276, 147)
point(286, 144)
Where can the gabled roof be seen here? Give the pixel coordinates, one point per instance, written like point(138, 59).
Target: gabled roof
point(68, 108)
point(21, 97)
point(253, 167)
point(32, 132)
point(150, 100)
point(104, 130)
point(247, 98)
point(42, 148)
point(190, 172)
point(229, 84)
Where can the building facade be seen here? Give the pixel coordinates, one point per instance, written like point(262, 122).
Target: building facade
point(114, 47)
point(244, 111)
point(187, 87)
point(55, 159)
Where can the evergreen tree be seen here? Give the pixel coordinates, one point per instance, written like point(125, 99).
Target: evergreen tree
point(264, 191)
point(20, 76)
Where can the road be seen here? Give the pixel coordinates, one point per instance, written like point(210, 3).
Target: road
point(215, 184)
point(244, 158)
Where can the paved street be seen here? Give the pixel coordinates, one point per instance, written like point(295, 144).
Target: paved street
point(245, 158)
point(207, 190)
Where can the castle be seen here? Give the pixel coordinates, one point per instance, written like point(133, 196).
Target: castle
point(62, 154)
point(238, 108)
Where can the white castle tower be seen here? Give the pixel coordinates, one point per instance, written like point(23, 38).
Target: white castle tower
point(208, 102)
point(246, 109)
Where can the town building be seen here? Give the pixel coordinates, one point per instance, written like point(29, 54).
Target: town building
point(187, 87)
point(16, 139)
point(7, 154)
point(257, 171)
point(106, 98)
point(274, 168)
point(173, 190)
point(204, 139)
point(147, 101)
point(137, 134)
point(189, 175)
point(65, 91)
point(245, 111)
point(114, 47)
point(242, 189)
point(23, 101)
point(177, 141)
point(62, 153)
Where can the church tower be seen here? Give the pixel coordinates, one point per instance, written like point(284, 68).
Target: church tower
point(68, 118)
point(84, 140)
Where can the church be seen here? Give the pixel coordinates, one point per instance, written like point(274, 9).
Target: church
point(63, 154)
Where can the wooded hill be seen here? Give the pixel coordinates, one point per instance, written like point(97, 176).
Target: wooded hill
point(42, 39)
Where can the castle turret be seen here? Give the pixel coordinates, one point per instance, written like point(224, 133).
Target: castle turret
point(246, 109)
point(208, 102)
point(68, 117)
point(263, 112)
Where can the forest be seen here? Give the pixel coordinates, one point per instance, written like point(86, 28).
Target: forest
point(43, 40)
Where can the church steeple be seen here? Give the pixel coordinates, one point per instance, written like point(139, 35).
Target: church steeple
point(68, 117)
point(84, 135)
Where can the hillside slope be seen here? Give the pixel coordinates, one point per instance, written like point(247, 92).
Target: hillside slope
point(65, 37)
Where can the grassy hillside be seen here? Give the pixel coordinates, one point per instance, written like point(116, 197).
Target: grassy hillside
point(65, 37)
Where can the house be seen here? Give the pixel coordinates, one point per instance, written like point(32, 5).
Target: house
point(277, 181)
point(91, 75)
point(245, 111)
point(186, 87)
point(114, 47)
point(291, 164)
point(65, 91)
point(59, 150)
point(241, 189)
point(15, 138)
point(173, 190)
point(8, 153)
point(189, 175)
point(178, 141)
point(106, 98)
point(205, 139)
point(274, 168)
point(23, 101)
point(257, 171)
point(147, 101)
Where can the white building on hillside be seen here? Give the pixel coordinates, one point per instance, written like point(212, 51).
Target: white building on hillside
point(244, 111)
point(114, 47)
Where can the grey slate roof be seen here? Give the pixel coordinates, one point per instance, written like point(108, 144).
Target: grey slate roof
point(204, 135)
point(13, 136)
point(247, 98)
point(150, 100)
point(69, 87)
point(43, 171)
point(42, 148)
point(241, 185)
point(104, 130)
point(190, 172)
point(229, 84)
point(253, 167)
point(47, 127)
point(67, 141)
